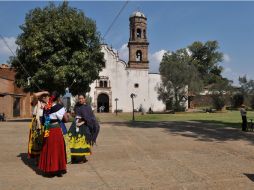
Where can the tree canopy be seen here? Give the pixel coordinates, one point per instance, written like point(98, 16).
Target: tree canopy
point(178, 76)
point(246, 86)
point(206, 58)
point(59, 47)
point(194, 66)
point(247, 90)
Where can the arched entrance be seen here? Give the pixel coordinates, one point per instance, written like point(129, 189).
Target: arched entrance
point(103, 103)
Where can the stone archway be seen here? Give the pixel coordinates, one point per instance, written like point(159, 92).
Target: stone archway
point(102, 103)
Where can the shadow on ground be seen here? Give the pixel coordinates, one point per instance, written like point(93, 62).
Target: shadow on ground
point(19, 120)
point(237, 125)
point(250, 176)
point(29, 162)
point(202, 131)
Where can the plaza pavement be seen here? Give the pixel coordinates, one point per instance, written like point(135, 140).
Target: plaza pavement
point(140, 156)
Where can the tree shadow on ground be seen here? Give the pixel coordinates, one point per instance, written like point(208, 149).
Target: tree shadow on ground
point(19, 120)
point(29, 162)
point(202, 131)
point(250, 176)
point(237, 125)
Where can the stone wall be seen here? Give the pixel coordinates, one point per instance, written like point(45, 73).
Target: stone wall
point(205, 101)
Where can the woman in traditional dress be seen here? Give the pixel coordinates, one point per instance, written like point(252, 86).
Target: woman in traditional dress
point(83, 131)
point(66, 139)
point(53, 156)
point(36, 127)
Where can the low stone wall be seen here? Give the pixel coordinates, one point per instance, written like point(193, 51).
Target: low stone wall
point(205, 101)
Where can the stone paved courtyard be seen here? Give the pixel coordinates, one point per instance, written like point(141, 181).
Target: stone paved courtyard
point(140, 156)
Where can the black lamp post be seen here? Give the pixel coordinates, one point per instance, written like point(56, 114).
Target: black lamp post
point(132, 98)
point(116, 99)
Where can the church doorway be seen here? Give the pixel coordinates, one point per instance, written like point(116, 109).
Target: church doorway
point(103, 103)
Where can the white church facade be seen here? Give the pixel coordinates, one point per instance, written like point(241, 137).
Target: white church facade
point(118, 79)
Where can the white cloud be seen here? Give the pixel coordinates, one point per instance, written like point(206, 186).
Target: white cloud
point(155, 59)
point(231, 75)
point(124, 52)
point(227, 70)
point(4, 50)
point(114, 50)
point(226, 58)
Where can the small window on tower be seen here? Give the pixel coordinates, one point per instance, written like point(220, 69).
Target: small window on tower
point(138, 56)
point(138, 33)
point(136, 85)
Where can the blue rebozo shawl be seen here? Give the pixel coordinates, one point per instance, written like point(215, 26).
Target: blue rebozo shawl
point(85, 112)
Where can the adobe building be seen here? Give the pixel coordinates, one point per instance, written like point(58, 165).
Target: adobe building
point(14, 102)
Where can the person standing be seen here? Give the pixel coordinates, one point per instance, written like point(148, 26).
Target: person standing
point(36, 127)
point(83, 131)
point(53, 155)
point(244, 117)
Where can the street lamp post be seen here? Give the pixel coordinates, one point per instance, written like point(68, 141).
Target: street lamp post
point(116, 99)
point(132, 98)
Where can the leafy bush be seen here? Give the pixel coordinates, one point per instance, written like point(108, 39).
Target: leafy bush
point(179, 108)
point(218, 102)
point(237, 100)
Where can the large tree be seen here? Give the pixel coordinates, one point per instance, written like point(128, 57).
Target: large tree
point(246, 86)
point(178, 77)
point(59, 47)
point(206, 58)
point(247, 90)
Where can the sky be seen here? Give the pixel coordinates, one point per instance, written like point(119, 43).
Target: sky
point(171, 25)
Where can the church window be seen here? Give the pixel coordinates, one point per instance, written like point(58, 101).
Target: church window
point(103, 64)
point(136, 85)
point(105, 84)
point(138, 33)
point(139, 56)
point(101, 83)
point(133, 34)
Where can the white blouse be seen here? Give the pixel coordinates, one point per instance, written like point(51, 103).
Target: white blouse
point(58, 115)
point(38, 109)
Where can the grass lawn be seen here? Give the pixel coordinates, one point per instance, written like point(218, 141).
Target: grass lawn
point(228, 118)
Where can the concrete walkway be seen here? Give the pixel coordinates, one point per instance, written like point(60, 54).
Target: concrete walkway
point(140, 156)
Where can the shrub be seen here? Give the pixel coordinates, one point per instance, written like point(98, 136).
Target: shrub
point(237, 100)
point(218, 102)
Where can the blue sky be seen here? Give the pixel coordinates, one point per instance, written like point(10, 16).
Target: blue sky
point(171, 25)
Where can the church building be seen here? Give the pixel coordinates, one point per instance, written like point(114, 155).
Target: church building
point(118, 79)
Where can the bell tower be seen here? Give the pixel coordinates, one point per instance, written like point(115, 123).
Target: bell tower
point(138, 44)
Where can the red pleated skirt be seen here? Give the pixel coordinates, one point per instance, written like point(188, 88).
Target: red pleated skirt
point(53, 155)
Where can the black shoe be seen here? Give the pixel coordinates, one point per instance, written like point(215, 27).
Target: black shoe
point(59, 175)
point(48, 175)
point(85, 160)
